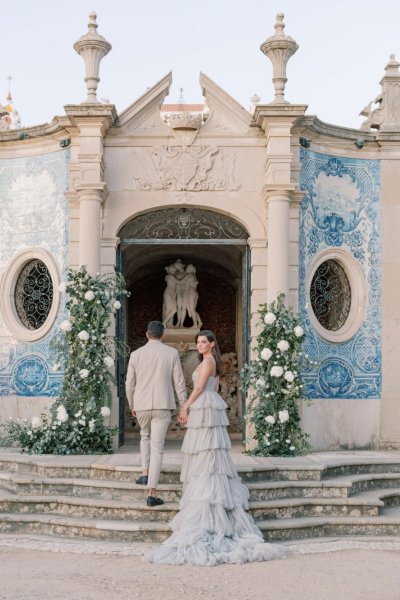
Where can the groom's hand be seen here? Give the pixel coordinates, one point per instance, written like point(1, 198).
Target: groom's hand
point(134, 413)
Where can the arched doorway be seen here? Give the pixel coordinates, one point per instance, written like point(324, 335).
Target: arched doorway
point(217, 247)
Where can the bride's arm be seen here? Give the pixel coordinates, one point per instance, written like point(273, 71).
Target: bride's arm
point(206, 368)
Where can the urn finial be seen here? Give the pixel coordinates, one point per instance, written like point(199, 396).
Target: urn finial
point(279, 48)
point(92, 47)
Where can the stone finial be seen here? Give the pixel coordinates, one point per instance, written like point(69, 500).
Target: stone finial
point(386, 115)
point(279, 48)
point(92, 47)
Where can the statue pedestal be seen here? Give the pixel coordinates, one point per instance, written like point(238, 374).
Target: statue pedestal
point(179, 336)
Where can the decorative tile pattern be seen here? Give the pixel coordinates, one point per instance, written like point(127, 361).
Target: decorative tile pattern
point(33, 213)
point(341, 209)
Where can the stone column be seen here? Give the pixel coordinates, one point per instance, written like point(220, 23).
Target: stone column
point(277, 202)
point(90, 201)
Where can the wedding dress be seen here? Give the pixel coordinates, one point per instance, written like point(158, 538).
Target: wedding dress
point(212, 526)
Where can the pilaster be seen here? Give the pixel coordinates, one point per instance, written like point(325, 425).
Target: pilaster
point(90, 124)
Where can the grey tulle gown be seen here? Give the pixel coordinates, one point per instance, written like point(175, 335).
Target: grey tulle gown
point(212, 526)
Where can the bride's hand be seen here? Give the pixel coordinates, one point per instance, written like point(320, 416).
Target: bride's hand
point(183, 415)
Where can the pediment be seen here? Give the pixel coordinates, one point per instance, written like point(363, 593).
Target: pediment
point(226, 115)
point(143, 116)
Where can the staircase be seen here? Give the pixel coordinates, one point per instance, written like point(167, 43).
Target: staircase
point(297, 498)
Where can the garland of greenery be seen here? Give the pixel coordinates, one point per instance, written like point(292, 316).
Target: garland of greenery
point(273, 379)
point(85, 351)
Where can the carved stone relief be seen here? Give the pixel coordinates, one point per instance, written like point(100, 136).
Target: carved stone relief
point(181, 168)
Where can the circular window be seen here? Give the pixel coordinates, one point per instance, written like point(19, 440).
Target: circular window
point(29, 296)
point(33, 294)
point(336, 295)
point(330, 295)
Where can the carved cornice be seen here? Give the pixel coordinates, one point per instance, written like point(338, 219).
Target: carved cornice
point(56, 129)
point(106, 114)
point(267, 113)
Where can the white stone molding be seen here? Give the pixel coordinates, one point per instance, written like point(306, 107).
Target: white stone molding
point(357, 283)
point(144, 114)
point(7, 289)
point(226, 115)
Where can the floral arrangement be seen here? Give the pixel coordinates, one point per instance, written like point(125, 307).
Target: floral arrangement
point(274, 381)
point(86, 352)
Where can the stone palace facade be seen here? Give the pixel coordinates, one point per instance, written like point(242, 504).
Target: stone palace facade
point(259, 202)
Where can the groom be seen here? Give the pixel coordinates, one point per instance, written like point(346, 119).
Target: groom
point(154, 371)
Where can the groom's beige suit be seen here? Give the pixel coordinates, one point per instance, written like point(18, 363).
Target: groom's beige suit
point(154, 371)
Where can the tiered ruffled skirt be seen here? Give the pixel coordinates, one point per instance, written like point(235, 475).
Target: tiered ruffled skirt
point(212, 526)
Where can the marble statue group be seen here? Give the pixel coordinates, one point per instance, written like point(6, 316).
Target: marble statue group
point(180, 295)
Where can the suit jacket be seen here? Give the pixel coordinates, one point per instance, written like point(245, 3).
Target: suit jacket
point(154, 371)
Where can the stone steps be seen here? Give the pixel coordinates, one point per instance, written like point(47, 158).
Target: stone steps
point(90, 498)
point(155, 531)
point(90, 488)
point(386, 524)
point(80, 527)
point(364, 504)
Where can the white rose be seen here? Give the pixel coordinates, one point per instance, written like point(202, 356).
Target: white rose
point(83, 373)
point(82, 421)
point(36, 423)
point(292, 448)
point(89, 295)
point(283, 416)
point(62, 287)
point(270, 419)
point(276, 371)
point(105, 411)
point(84, 336)
point(269, 318)
point(298, 331)
point(283, 345)
point(266, 354)
point(117, 304)
point(62, 415)
point(108, 361)
point(289, 376)
point(92, 424)
point(66, 326)
point(55, 367)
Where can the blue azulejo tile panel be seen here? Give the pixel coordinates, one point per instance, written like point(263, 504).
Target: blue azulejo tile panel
point(33, 213)
point(340, 209)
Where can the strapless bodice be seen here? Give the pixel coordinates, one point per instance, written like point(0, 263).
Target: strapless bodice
point(210, 385)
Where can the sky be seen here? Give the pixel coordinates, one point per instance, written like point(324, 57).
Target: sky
point(344, 46)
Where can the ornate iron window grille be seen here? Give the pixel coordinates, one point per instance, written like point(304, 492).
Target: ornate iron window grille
point(183, 223)
point(33, 294)
point(330, 295)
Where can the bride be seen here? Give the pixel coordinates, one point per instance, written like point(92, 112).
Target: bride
point(212, 526)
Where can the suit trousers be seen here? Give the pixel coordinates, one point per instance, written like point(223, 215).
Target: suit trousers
point(153, 429)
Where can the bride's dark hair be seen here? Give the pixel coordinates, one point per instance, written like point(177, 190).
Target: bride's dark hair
point(215, 351)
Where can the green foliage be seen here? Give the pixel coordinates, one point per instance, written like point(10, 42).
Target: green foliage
point(273, 381)
point(86, 352)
